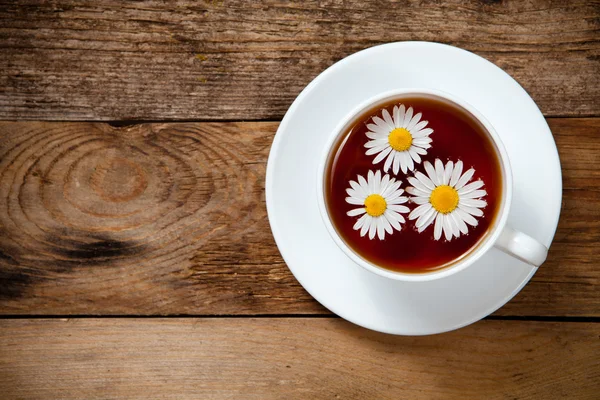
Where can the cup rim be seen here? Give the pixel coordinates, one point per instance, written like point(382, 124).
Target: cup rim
point(473, 255)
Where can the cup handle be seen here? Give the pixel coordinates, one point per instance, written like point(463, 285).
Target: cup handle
point(521, 246)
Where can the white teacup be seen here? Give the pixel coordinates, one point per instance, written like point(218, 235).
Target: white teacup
point(499, 235)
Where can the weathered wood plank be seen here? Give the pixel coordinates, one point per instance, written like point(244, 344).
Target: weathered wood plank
point(293, 359)
point(170, 219)
point(156, 218)
point(154, 60)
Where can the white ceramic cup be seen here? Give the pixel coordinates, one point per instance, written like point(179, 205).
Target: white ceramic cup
point(501, 236)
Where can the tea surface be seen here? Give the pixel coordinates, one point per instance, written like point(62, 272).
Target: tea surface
point(456, 136)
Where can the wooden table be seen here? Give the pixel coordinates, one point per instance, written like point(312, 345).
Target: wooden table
point(136, 260)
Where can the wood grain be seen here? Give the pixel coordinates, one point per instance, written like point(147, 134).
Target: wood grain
point(226, 60)
point(293, 359)
point(147, 219)
point(170, 219)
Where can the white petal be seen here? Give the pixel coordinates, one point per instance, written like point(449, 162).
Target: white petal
point(470, 187)
point(370, 186)
point(396, 166)
point(420, 200)
point(377, 182)
point(425, 220)
point(428, 183)
point(413, 122)
point(407, 117)
point(359, 224)
point(388, 161)
point(471, 210)
point(404, 161)
point(419, 126)
point(447, 228)
point(437, 230)
point(395, 115)
point(414, 155)
point(421, 146)
point(417, 192)
point(372, 228)
point(355, 201)
point(359, 189)
point(448, 172)
point(418, 184)
point(423, 133)
point(355, 194)
point(417, 212)
point(397, 216)
point(380, 229)
point(397, 185)
point(439, 170)
point(475, 194)
point(401, 114)
point(431, 173)
point(377, 131)
point(398, 208)
point(366, 225)
point(464, 179)
point(382, 124)
point(395, 196)
point(473, 203)
point(391, 218)
point(453, 225)
point(420, 150)
point(363, 183)
point(386, 224)
point(376, 143)
point(356, 211)
point(392, 188)
point(397, 200)
point(456, 173)
point(388, 118)
point(462, 227)
point(372, 135)
point(410, 164)
point(384, 183)
point(375, 150)
point(396, 193)
point(468, 218)
point(421, 141)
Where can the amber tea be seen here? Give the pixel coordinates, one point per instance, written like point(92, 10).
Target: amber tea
point(413, 185)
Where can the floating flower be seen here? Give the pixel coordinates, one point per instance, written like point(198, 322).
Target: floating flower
point(445, 197)
point(401, 140)
point(380, 202)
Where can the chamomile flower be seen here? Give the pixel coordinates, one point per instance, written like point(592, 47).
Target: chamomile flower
point(380, 204)
point(446, 197)
point(400, 139)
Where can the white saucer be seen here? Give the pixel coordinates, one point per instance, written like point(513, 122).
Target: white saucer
point(322, 268)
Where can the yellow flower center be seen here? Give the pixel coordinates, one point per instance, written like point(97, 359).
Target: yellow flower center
point(400, 139)
point(375, 205)
point(444, 199)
